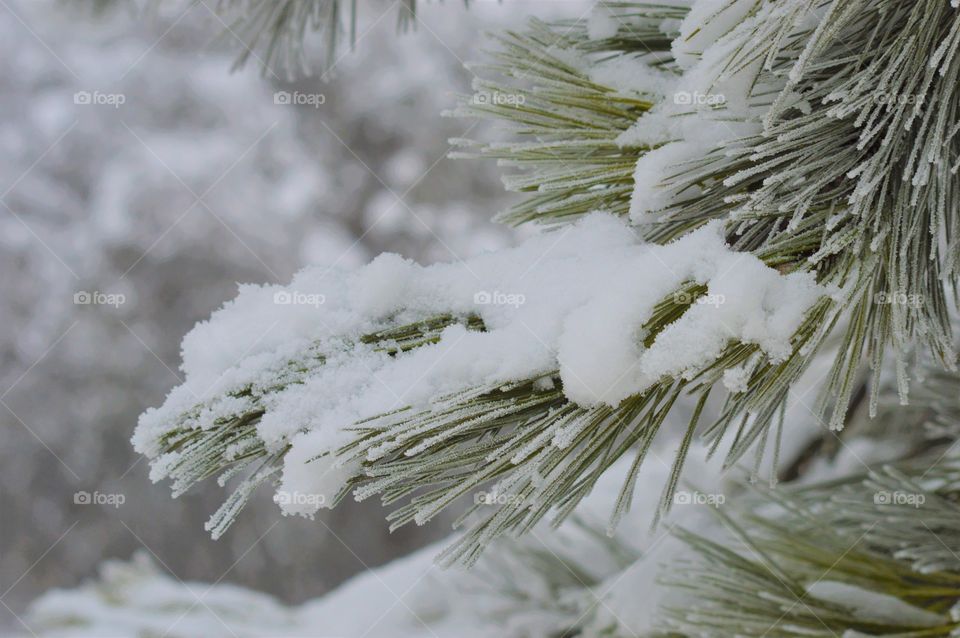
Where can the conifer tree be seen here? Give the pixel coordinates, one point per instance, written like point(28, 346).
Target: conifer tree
point(728, 193)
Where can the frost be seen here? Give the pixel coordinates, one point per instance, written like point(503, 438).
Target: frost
point(735, 379)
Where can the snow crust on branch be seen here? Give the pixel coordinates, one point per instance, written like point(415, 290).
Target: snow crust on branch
point(574, 300)
point(708, 104)
point(705, 106)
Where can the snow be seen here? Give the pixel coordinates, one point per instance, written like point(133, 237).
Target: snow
point(601, 358)
point(411, 597)
point(136, 598)
point(653, 171)
point(602, 24)
point(628, 73)
point(574, 300)
point(706, 23)
point(322, 479)
point(735, 379)
point(710, 104)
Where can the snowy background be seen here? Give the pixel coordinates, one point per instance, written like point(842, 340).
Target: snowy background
point(139, 182)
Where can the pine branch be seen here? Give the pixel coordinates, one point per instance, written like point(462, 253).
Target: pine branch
point(542, 453)
point(820, 190)
point(218, 435)
point(530, 578)
point(831, 559)
point(276, 32)
point(867, 148)
point(568, 159)
point(853, 144)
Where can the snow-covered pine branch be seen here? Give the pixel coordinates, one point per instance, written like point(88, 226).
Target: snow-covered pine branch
point(760, 566)
point(541, 375)
point(813, 159)
point(791, 170)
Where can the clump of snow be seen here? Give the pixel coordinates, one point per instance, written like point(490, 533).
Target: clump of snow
point(735, 379)
point(305, 487)
point(136, 598)
point(706, 23)
point(710, 104)
point(651, 176)
point(602, 24)
point(746, 301)
point(573, 300)
point(628, 73)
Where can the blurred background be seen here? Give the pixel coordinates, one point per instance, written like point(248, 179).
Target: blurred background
point(139, 182)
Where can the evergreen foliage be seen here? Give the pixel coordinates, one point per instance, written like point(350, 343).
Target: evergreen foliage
point(844, 166)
